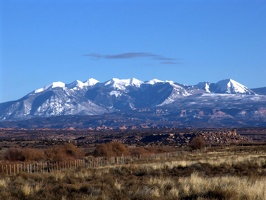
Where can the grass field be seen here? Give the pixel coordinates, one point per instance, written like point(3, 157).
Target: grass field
point(229, 173)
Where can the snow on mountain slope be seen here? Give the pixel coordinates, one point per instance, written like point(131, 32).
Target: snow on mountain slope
point(94, 98)
point(55, 99)
point(53, 85)
point(154, 81)
point(121, 84)
point(205, 86)
point(76, 85)
point(230, 86)
point(177, 92)
point(91, 82)
point(51, 104)
point(62, 102)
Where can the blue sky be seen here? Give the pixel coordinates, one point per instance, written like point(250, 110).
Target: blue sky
point(186, 41)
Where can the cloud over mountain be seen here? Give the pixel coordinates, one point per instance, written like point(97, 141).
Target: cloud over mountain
point(132, 55)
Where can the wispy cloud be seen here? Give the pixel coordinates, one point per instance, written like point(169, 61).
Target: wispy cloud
point(169, 63)
point(131, 55)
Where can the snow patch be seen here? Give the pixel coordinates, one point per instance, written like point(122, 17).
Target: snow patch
point(121, 84)
point(115, 93)
point(231, 87)
point(75, 85)
point(154, 81)
point(205, 86)
point(91, 82)
point(53, 85)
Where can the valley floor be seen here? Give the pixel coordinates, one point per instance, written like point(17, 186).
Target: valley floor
point(228, 173)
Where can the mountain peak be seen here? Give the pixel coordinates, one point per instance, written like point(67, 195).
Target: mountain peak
point(231, 86)
point(57, 84)
point(75, 84)
point(205, 86)
point(91, 98)
point(154, 81)
point(122, 83)
point(91, 82)
point(135, 82)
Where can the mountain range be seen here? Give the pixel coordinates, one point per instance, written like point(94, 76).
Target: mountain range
point(136, 102)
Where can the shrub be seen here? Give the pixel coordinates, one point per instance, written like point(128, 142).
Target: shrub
point(67, 151)
point(137, 151)
point(33, 154)
point(24, 154)
point(73, 151)
point(102, 150)
point(118, 149)
point(14, 154)
point(110, 149)
point(197, 142)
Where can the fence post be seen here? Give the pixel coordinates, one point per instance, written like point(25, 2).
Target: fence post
point(9, 169)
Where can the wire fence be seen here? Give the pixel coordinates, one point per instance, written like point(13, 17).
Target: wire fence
point(91, 162)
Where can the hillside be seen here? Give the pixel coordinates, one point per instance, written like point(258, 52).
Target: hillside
point(134, 103)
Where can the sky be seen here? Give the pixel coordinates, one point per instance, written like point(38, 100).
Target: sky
point(186, 41)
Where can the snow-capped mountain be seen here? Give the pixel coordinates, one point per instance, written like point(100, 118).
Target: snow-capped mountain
point(53, 100)
point(204, 86)
point(230, 86)
point(58, 84)
point(121, 84)
point(92, 97)
point(226, 86)
point(154, 81)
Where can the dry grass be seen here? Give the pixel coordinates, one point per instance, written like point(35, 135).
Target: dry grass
point(4, 182)
point(227, 187)
point(217, 175)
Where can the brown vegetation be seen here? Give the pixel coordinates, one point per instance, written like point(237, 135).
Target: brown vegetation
point(213, 172)
point(67, 151)
point(113, 149)
point(223, 174)
point(197, 142)
point(54, 153)
point(14, 154)
point(110, 150)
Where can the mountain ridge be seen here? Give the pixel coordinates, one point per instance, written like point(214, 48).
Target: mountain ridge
point(229, 86)
point(216, 103)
